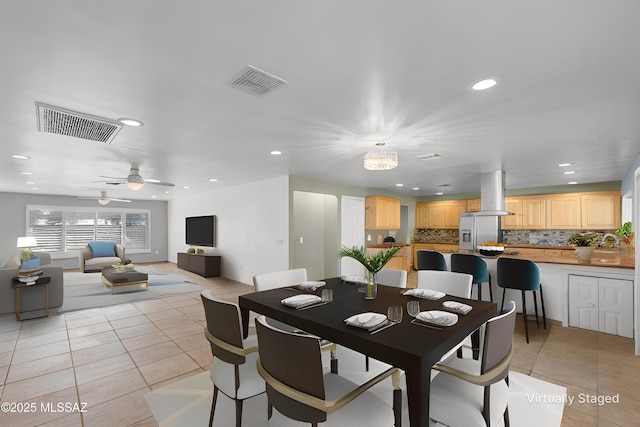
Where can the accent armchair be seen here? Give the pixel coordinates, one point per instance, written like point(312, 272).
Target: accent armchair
point(98, 255)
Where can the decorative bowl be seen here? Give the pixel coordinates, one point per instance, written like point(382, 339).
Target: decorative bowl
point(490, 250)
point(27, 279)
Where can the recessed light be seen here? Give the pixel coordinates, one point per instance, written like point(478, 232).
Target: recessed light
point(276, 153)
point(29, 183)
point(572, 182)
point(153, 197)
point(569, 172)
point(34, 188)
point(20, 157)
point(167, 192)
point(399, 185)
point(484, 84)
point(213, 179)
point(186, 187)
point(564, 165)
point(439, 193)
point(415, 188)
point(131, 122)
point(26, 173)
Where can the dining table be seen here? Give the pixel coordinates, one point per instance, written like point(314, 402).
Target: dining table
point(407, 345)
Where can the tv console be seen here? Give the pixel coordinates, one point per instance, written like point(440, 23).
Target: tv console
point(202, 264)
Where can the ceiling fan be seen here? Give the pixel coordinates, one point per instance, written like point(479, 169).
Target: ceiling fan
point(104, 199)
point(134, 181)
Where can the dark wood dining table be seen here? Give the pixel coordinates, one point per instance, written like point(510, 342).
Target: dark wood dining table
point(410, 347)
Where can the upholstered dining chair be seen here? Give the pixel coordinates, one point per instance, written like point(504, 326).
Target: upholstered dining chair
point(234, 360)
point(431, 260)
point(282, 279)
point(300, 393)
point(523, 275)
point(468, 392)
point(456, 284)
point(451, 283)
point(389, 277)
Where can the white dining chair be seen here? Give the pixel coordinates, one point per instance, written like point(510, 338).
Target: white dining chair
point(456, 284)
point(389, 277)
point(282, 279)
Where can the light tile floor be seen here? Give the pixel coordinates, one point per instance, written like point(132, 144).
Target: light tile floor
point(107, 358)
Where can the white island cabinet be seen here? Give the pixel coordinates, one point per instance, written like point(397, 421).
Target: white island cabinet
point(601, 304)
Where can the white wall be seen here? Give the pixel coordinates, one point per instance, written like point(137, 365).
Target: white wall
point(252, 226)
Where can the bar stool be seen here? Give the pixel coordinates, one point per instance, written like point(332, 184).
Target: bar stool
point(524, 275)
point(477, 267)
point(431, 260)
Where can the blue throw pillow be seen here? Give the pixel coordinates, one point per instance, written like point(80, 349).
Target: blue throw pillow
point(102, 249)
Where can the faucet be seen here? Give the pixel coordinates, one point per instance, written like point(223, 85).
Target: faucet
point(617, 240)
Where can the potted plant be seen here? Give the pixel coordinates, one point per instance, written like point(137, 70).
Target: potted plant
point(585, 243)
point(625, 233)
point(373, 264)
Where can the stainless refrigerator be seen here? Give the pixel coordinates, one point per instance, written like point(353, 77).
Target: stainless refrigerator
point(477, 228)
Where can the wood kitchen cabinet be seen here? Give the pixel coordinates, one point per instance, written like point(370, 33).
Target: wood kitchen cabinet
point(440, 214)
point(563, 212)
point(529, 213)
point(473, 205)
point(382, 213)
point(600, 211)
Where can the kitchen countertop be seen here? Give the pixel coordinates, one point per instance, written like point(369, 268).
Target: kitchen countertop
point(387, 245)
point(626, 259)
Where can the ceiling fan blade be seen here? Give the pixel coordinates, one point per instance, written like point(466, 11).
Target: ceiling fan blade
point(88, 198)
point(113, 177)
point(166, 184)
point(119, 200)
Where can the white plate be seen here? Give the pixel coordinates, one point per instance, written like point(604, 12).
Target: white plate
point(310, 285)
point(438, 318)
point(366, 320)
point(354, 279)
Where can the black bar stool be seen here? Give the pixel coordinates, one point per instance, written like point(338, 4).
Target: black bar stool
point(524, 275)
point(431, 260)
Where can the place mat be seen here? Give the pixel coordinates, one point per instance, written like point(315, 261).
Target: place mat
point(366, 321)
point(298, 300)
point(424, 293)
point(437, 318)
point(457, 307)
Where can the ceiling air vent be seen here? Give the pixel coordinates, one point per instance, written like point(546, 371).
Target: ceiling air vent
point(255, 81)
point(429, 156)
point(71, 123)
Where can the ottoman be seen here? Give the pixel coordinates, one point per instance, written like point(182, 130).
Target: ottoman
point(124, 279)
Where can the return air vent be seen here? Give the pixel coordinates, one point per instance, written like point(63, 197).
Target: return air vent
point(71, 123)
point(255, 81)
point(429, 156)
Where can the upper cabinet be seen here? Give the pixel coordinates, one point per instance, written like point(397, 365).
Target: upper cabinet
point(563, 212)
point(473, 205)
point(600, 211)
point(440, 214)
point(529, 213)
point(382, 213)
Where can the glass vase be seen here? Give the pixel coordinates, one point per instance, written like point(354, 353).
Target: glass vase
point(372, 285)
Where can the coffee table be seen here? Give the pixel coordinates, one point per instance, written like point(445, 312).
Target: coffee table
point(124, 279)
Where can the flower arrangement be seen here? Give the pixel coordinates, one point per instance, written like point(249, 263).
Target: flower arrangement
point(584, 239)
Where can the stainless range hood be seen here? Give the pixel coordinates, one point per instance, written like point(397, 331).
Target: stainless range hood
point(492, 193)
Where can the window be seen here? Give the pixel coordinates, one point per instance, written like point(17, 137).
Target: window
point(64, 229)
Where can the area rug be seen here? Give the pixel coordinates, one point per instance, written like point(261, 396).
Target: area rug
point(86, 290)
point(532, 402)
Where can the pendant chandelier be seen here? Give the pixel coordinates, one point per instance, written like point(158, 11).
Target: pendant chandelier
point(380, 160)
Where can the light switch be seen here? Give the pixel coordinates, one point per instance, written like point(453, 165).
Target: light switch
point(301, 240)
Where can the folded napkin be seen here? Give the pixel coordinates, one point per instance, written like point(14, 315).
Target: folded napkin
point(439, 318)
point(310, 285)
point(366, 320)
point(425, 293)
point(458, 307)
point(298, 300)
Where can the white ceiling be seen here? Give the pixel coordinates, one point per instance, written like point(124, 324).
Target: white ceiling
point(358, 72)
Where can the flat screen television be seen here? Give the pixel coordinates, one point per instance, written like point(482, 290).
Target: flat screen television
point(200, 230)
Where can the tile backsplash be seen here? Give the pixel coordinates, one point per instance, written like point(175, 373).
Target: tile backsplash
point(514, 237)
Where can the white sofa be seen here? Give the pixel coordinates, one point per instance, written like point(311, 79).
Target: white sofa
point(90, 263)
